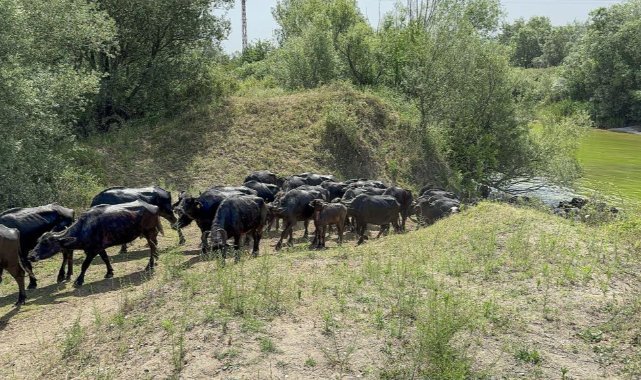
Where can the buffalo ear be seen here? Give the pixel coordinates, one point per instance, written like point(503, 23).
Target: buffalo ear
point(65, 241)
point(199, 205)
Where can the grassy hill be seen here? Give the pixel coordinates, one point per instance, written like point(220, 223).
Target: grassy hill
point(334, 129)
point(494, 291)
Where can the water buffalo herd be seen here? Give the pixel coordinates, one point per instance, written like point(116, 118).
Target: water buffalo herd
point(118, 216)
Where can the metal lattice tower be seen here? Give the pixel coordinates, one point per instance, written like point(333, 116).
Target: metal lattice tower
point(244, 15)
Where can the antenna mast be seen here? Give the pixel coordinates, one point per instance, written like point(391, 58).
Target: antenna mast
point(244, 12)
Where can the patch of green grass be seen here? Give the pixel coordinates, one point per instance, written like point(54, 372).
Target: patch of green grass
point(310, 362)
point(72, 340)
point(612, 163)
point(267, 345)
point(528, 355)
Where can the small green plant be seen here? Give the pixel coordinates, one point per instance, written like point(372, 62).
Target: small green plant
point(337, 353)
point(72, 340)
point(528, 355)
point(119, 319)
point(310, 362)
point(329, 322)
point(591, 335)
point(177, 340)
point(267, 345)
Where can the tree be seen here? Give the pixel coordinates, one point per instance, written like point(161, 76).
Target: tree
point(604, 67)
point(527, 39)
point(353, 50)
point(165, 47)
point(44, 87)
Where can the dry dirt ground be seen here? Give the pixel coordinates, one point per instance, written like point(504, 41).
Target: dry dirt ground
point(581, 325)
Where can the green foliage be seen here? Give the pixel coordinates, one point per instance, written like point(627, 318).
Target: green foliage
point(528, 355)
point(604, 68)
point(325, 40)
point(43, 90)
point(160, 44)
point(73, 339)
point(536, 43)
point(308, 60)
point(256, 51)
point(557, 139)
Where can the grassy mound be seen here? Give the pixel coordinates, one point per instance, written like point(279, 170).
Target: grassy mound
point(334, 129)
point(494, 291)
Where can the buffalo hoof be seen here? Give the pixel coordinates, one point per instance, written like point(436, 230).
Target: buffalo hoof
point(32, 285)
point(77, 284)
point(182, 241)
point(0, 280)
point(278, 247)
point(149, 268)
point(109, 275)
point(61, 277)
point(21, 301)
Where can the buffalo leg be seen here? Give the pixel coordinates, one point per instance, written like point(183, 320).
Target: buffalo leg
point(319, 234)
point(83, 269)
point(67, 259)
point(237, 248)
point(361, 229)
point(152, 241)
point(306, 234)
point(204, 245)
point(397, 228)
point(340, 227)
point(286, 228)
point(105, 258)
point(18, 274)
point(123, 248)
point(181, 237)
point(384, 229)
point(33, 282)
point(257, 236)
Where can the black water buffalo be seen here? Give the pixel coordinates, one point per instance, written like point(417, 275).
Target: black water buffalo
point(315, 179)
point(293, 182)
point(32, 223)
point(202, 209)
point(264, 190)
point(153, 195)
point(265, 176)
point(328, 214)
point(429, 210)
point(335, 189)
point(353, 192)
point(430, 190)
point(101, 227)
point(364, 182)
point(241, 189)
point(292, 208)
point(11, 260)
point(237, 216)
point(319, 191)
point(381, 210)
point(405, 199)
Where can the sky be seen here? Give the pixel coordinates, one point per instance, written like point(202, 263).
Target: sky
point(261, 24)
